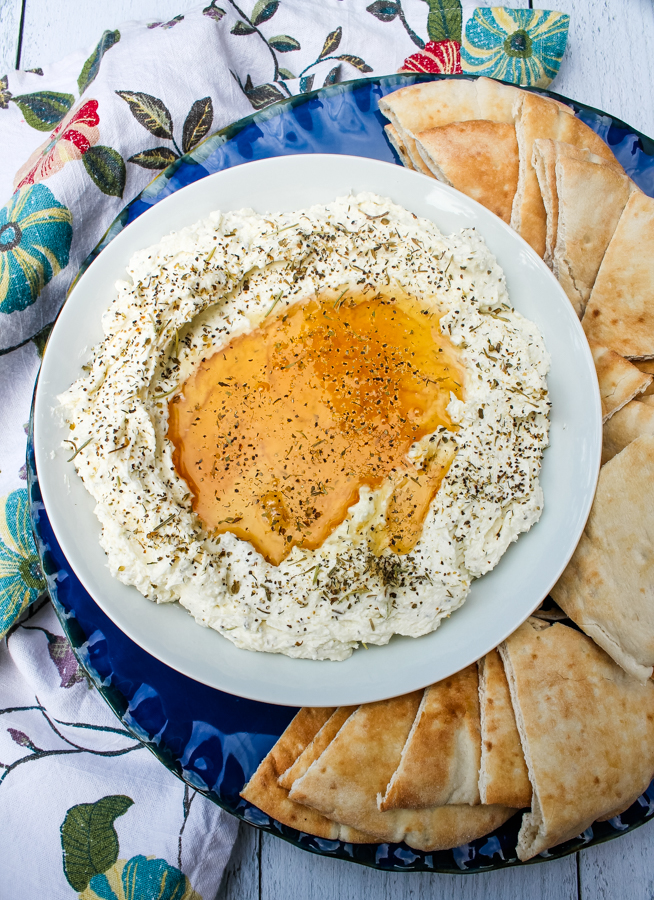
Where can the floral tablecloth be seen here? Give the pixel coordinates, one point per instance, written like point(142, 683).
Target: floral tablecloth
point(80, 139)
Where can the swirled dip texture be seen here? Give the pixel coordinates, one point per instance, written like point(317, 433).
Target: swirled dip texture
point(272, 576)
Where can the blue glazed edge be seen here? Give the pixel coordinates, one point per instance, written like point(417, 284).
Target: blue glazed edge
point(230, 756)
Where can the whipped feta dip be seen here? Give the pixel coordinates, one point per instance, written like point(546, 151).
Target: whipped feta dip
point(201, 287)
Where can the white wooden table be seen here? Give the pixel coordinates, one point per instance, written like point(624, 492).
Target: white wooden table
point(609, 64)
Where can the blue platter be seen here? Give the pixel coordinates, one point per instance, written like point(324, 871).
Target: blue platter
point(212, 740)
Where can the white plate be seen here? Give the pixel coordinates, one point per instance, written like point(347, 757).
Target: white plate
point(497, 603)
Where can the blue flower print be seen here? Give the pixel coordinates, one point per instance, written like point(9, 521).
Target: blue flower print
point(522, 46)
point(35, 237)
point(21, 580)
point(140, 878)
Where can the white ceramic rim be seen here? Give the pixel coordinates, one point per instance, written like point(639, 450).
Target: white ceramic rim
point(498, 603)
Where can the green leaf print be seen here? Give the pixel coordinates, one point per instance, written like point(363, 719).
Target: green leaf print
point(444, 21)
point(384, 10)
point(286, 74)
point(92, 65)
point(242, 28)
point(356, 61)
point(156, 158)
point(89, 839)
point(264, 95)
point(284, 43)
point(44, 109)
point(197, 124)
point(107, 169)
point(263, 10)
point(214, 12)
point(5, 93)
point(150, 112)
point(332, 42)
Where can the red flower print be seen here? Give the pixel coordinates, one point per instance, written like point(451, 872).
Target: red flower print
point(440, 57)
point(70, 140)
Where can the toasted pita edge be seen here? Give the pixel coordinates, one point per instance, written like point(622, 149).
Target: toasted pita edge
point(608, 643)
point(542, 162)
point(632, 421)
point(646, 366)
point(313, 750)
point(483, 775)
point(533, 823)
point(383, 800)
point(510, 792)
point(528, 214)
point(619, 379)
point(522, 171)
point(396, 143)
point(591, 197)
point(545, 154)
point(413, 152)
point(430, 162)
point(264, 792)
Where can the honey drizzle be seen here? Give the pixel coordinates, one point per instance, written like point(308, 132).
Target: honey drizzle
point(277, 431)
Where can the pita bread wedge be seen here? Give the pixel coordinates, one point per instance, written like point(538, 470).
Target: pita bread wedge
point(646, 366)
point(631, 422)
point(503, 777)
point(343, 783)
point(543, 160)
point(591, 197)
point(539, 117)
point(478, 158)
point(587, 732)
point(620, 312)
point(421, 107)
point(313, 750)
point(262, 789)
point(545, 155)
point(440, 761)
point(648, 400)
point(608, 585)
point(395, 141)
point(619, 380)
point(535, 117)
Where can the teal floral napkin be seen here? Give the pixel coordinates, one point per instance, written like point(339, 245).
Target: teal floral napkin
point(79, 140)
point(522, 46)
